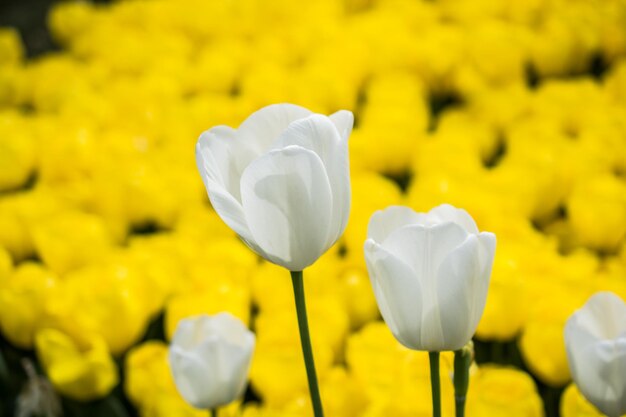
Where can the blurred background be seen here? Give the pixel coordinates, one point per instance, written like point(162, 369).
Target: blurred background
point(513, 110)
point(29, 17)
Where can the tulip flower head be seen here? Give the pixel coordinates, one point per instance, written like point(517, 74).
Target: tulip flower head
point(595, 340)
point(281, 181)
point(210, 358)
point(430, 273)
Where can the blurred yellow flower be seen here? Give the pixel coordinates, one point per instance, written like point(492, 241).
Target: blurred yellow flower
point(215, 262)
point(370, 192)
point(329, 322)
point(506, 309)
point(22, 297)
point(82, 371)
point(597, 212)
point(104, 293)
point(358, 297)
point(18, 149)
point(69, 20)
point(395, 379)
point(392, 125)
point(503, 391)
point(11, 48)
point(63, 252)
point(18, 212)
point(233, 299)
point(543, 350)
point(6, 265)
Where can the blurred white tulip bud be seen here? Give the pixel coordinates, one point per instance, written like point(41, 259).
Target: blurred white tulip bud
point(210, 358)
point(595, 339)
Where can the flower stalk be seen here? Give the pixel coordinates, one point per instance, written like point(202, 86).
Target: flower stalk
point(435, 383)
point(462, 362)
point(305, 340)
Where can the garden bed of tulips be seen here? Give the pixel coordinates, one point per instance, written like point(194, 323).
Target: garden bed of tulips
point(512, 110)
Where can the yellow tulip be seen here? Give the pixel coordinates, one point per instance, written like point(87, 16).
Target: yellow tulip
point(279, 353)
point(370, 192)
point(395, 379)
point(329, 322)
point(212, 263)
point(63, 252)
point(11, 48)
point(104, 294)
point(597, 212)
point(22, 297)
point(541, 343)
point(17, 148)
point(232, 299)
point(503, 391)
point(21, 210)
point(69, 20)
point(6, 265)
point(358, 297)
point(81, 371)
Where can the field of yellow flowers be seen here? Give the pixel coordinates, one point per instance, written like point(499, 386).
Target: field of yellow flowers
point(514, 110)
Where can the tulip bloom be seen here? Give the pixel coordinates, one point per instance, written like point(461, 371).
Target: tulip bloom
point(209, 358)
point(81, 370)
point(430, 273)
point(595, 339)
point(281, 181)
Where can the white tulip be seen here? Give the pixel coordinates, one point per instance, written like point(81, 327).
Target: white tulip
point(430, 273)
point(595, 339)
point(281, 181)
point(210, 358)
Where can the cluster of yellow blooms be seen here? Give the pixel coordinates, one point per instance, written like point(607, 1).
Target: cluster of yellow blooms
point(97, 142)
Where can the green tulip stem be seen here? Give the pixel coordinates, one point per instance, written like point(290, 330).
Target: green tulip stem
point(214, 412)
point(435, 383)
point(462, 362)
point(305, 341)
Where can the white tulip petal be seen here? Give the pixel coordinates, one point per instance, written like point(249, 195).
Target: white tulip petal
point(233, 370)
point(424, 247)
point(231, 329)
point(230, 156)
point(604, 315)
point(224, 369)
point(384, 222)
point(264, 126)
point(318, 134)
point(595, 340)
point(234, 352)
point(185, 337)
point(447, 213)
point(190, 373)
point(398, 293)
point(287, 202)
point(216, 178)
point(486, 255)
point(487, 252)
point(344, 121)
point(462, 289)
point(593, 368)
point(613, 355)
